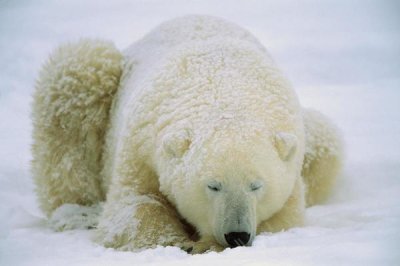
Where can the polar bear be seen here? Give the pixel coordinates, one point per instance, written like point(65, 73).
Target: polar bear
point(192, 137)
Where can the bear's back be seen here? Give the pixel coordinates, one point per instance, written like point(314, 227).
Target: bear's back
point(198, 73)
point(146, 57)
point(188, 29)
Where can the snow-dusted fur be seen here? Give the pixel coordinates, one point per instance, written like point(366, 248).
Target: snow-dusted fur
point(204, 135)
point(322, 159)
point(70, 116)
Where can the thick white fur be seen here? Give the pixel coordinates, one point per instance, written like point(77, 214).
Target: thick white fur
point(70, 116)
point(200, 103)
point(323, 156)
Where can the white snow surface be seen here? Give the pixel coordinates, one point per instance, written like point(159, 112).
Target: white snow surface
point(341, 56)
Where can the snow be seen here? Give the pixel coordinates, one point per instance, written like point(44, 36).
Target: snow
point(342, 58)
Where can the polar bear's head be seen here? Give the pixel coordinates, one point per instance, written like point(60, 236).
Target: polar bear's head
point(226, 186)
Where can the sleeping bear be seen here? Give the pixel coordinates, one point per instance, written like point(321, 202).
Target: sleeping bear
point(191, 137)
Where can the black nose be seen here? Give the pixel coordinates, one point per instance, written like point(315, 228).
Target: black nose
point(235, 239)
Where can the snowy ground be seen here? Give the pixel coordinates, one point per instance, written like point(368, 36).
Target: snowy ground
point(341, 56)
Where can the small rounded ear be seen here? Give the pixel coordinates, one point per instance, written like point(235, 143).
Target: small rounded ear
point(176, 144)
point(286, 144)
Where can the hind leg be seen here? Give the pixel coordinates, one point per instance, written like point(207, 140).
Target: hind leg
point(70, 115)
point(323, 157)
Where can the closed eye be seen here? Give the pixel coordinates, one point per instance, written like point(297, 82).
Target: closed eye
point(255, 186)
point(215, 186)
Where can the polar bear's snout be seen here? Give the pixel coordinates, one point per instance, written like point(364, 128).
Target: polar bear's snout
point(235, 219)
point(238, 227)
point(235, 239)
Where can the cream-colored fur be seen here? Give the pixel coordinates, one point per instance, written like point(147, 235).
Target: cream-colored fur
point(323, 156)
point(70, 117)
point(204, 137)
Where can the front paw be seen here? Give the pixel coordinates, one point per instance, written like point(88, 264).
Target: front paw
point(202, 246)
point(74, 216)
point(206, 246)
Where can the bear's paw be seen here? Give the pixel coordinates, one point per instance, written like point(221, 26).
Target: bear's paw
point(74, 216)
point(202, 246)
